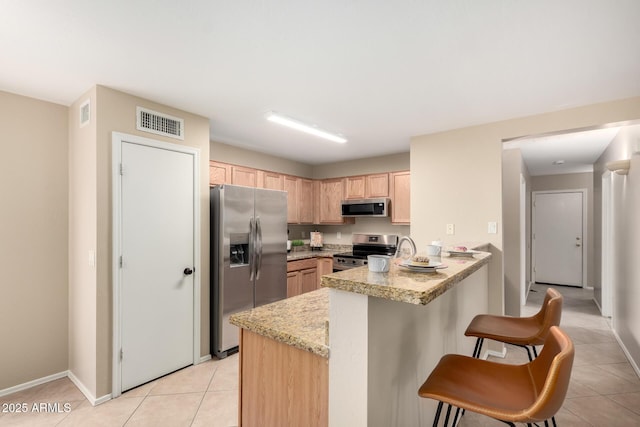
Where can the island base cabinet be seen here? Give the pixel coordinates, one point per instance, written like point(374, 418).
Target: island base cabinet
point(281, 385)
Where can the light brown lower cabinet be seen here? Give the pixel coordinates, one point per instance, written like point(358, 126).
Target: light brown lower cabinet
point(281, 385)
point(304, 275)
point(301, 281)
point(325, 266)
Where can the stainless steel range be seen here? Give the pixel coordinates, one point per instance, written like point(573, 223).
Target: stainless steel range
point(363, 245)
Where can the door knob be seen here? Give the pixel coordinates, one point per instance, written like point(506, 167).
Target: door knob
point(188, 271)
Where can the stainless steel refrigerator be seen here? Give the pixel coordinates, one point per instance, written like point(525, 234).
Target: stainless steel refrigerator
point(248, 256)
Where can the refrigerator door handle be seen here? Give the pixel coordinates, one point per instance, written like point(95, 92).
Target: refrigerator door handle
point(252, 248)
point(258, 247)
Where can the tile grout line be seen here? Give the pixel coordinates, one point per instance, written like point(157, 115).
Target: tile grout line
point(213, 374)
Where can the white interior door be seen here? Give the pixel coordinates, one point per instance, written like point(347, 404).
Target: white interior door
point(558, 237)
point(157, 248)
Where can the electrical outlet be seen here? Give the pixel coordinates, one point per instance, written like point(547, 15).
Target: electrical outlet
point(451, 229)
point(338, 235)
point(492, 227)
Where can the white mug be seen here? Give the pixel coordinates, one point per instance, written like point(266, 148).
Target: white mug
point(434, 250)
point(378, 263)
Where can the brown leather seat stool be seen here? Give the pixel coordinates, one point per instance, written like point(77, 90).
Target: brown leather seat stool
point(520, 331)
point(527, 393)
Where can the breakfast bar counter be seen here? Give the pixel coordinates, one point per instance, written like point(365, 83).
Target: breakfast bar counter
point(404, 285)
point(386, 331)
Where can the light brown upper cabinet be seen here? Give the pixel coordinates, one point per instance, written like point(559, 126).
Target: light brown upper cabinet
point(354, 187)
point(270, 180)
point(244, 176)
point(219, 173)
point(400, 197)
point(367, 186)
point(330, 197)
point(291, 187)
point(224, 173)
point(377, 185)
point(305, 201)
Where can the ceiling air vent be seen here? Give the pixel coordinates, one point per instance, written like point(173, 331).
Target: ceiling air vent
point(158, 123)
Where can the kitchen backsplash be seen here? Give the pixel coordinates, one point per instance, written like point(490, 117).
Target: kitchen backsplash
point(362, 225)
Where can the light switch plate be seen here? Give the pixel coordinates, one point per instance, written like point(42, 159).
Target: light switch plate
point(493, 227)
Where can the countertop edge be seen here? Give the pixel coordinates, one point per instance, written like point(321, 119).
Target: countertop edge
point(284, 338)
point(308, 312)
point(404, 295)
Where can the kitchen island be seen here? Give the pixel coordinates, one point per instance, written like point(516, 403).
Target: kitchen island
point(386, 333)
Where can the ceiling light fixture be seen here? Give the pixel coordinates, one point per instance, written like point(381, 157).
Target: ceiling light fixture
point(621, 167)
point(557, 162)
point(303, 127)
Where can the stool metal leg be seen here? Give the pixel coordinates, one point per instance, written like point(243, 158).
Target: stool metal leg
point(437, 417)
point(478, 347)
point(455, 419)
point(446, 418)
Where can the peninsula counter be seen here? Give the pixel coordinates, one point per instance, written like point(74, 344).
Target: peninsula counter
point(386, 332)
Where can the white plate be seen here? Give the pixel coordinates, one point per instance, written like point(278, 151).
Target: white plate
point(433, 266)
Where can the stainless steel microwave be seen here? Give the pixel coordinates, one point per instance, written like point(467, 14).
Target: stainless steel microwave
point(365, 207)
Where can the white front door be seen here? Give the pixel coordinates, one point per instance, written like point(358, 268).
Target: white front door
point(156, 280)
point(558, 240)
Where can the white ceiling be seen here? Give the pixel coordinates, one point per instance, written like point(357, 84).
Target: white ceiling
point(377, 72)
point(577, 151)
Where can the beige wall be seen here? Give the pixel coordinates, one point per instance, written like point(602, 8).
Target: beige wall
point(243, 157)
point(626, 236)
point(513, 168)
point(33, 239)
point(82, 241)
point(116, 111)
point(389, 163)
point(465, 166)
point(574, 181)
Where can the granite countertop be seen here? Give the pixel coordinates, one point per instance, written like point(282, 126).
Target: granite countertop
point(304, 254)
point(401, 284)
point(301, 321)
point(298, 321)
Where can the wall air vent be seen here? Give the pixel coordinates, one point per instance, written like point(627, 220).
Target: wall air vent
point(85, 112)
point(159, 123)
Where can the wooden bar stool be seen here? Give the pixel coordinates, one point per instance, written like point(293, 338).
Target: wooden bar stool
point(527, 393)
point(521, 331)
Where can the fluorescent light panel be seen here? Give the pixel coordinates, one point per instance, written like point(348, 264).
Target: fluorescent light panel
point(303, 127)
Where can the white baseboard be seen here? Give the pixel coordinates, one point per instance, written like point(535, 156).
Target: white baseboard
point(501, 354)
point(632, 362)
point(90, 397)
point(33, 383)
point(597, 305)
point(205, 358)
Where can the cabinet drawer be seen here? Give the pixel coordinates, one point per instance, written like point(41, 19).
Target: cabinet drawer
point(301, 264)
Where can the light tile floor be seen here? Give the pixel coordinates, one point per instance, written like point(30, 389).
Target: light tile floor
point(201, 395)
point(604, 390)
